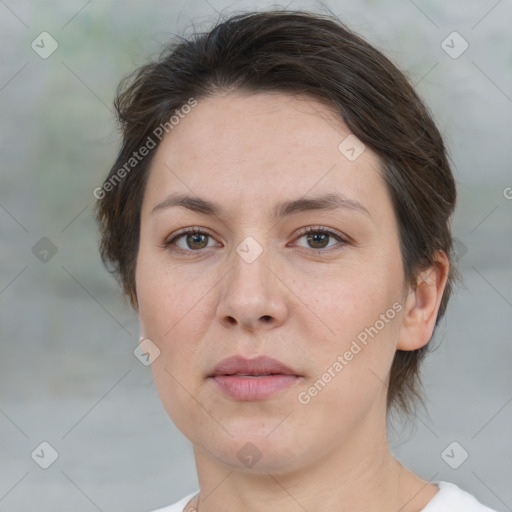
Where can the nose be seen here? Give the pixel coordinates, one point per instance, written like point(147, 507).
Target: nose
point(252, 295)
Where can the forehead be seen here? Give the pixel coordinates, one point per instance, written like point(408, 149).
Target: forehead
point(262, 147)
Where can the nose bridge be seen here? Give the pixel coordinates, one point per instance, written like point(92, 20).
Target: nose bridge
point(251, 293)
point(250, 262)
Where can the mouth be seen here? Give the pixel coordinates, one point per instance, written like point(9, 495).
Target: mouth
point(257, 367)
point(252, 379)
point(250, 374)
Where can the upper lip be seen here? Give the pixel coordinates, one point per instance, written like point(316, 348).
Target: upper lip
point(258, 366)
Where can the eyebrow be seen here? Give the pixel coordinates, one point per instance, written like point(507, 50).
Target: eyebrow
point(327, 202)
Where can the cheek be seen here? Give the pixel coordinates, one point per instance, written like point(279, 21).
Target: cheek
point(358, 324)
point(168, 299)
point(351, 367)
point(170, 314)
point(174, 312)
point(347, 300)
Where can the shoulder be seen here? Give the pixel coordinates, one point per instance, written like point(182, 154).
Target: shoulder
point(452, 498)
point(179, 506)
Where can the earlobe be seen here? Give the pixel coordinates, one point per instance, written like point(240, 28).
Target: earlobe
point(422, 305)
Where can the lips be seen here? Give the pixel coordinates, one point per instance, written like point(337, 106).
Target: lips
point(252, 379)
point(263, 365)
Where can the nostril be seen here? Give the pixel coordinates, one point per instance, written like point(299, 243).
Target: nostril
point(266, 318)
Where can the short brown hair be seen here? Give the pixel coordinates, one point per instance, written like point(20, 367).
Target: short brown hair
point(295, 52)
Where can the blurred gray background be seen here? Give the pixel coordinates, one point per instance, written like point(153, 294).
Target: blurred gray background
point(68, 373)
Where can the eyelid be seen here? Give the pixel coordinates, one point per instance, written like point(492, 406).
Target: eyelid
point(186, 231)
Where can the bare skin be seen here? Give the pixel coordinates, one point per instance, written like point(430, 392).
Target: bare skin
point(303, 301)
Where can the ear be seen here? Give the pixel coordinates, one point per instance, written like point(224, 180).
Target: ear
point(422, 304)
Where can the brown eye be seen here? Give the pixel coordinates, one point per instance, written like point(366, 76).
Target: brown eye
point(318, 240)
point(196, 240)
point(191, 240)
point(321, 238)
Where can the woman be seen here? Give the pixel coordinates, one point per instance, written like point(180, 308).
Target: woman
point(278, 216)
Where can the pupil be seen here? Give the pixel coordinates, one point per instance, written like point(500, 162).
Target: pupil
point(318, 238)
point(196, 238)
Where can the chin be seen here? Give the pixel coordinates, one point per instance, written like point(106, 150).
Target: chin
point(253, 450)
point(257, 457)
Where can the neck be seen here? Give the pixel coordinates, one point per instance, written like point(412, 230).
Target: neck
point(356, 475)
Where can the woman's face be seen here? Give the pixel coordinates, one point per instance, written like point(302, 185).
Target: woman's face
point(296, 258)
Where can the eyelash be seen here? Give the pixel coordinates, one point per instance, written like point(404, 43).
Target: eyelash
point(309, 229)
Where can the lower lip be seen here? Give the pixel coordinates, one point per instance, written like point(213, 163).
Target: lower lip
point(253, 388)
